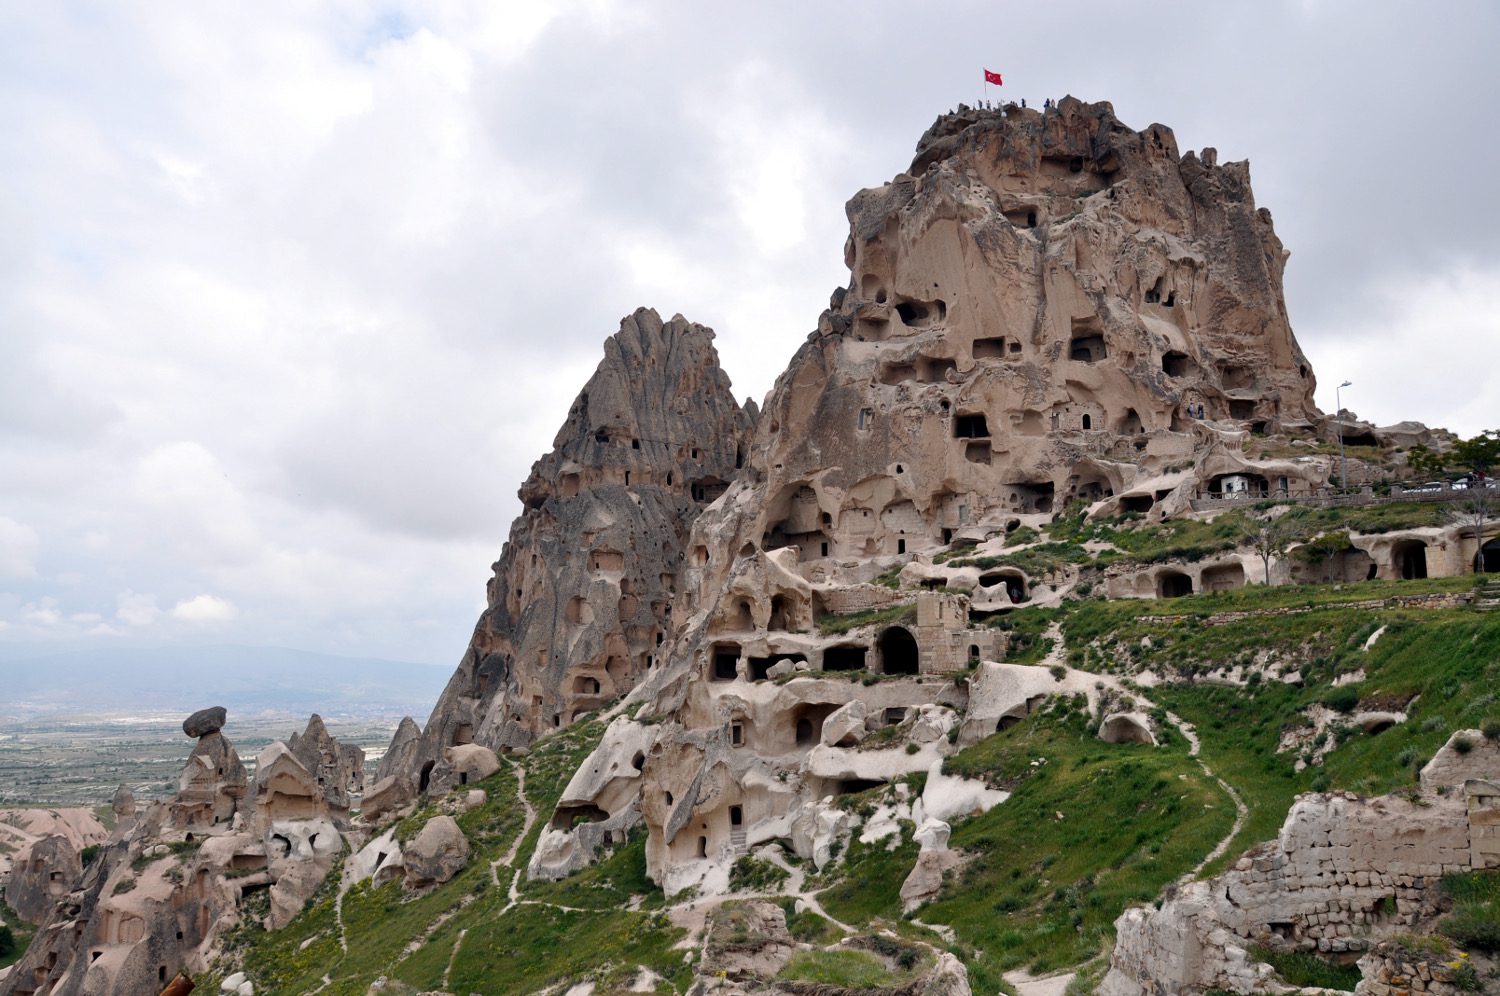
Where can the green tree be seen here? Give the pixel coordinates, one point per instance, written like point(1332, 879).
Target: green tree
point(1322, 548)
point(7, 941)
point(1479, 454)
point(1427, 462)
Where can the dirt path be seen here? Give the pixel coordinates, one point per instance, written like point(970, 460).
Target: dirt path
point(458, 943)
point(1046, 985)
point(1241, 811)
point(508, 859)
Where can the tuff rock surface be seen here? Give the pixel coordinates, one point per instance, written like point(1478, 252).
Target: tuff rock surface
point(578, 604)
point(154, 902)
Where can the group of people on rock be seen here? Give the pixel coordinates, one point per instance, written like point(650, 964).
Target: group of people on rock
point(989, 105)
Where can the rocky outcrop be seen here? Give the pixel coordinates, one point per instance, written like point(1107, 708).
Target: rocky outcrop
point(578, 604)
point(41, 873)
point(1344, 874)
point(339, 769)
point(205, 721)
point(437, 853)
point(397, 759)
point(211, 788)
point(153, 901)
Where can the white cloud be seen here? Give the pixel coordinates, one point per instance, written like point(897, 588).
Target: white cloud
point(1397, 357)
point(19, 546)
point(294, 295)
point(204, 608)
point(136, 609)
point(43, 612)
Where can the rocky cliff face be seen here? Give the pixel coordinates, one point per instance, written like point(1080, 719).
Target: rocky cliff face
point(579, 602)
point(1047, 308)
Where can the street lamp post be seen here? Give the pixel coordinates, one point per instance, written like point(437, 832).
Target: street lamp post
point(1343, 463)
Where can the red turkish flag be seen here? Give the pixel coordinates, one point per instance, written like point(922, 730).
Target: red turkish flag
point(994, 78)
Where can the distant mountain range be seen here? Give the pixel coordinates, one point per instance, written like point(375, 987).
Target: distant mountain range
point(247, 681)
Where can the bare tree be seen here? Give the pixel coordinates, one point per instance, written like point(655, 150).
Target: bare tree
point(1473, 512)
point(1268, 538)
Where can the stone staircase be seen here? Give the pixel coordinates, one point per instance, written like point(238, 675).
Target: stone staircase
point(1486, 595)
point(737, 843)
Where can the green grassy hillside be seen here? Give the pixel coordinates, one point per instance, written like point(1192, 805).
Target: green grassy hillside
point(1090, 828)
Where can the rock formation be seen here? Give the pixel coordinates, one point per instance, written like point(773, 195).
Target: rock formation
point(339, 769)
point(1048, 312)
point(212, 785)
point(1046, 308)
point(1343, 874)
point(41, 873)
point(578, 604)
point(436, 854)
point(155, 900)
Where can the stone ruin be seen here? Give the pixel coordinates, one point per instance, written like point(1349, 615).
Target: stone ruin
point(1344, 875)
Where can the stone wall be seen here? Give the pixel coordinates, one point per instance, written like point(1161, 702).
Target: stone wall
point(1344, 874)
point(1393, 970)
point(860, 598)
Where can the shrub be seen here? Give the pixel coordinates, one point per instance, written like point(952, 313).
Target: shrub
point(1463, 744)
point(1491, 729)
point(1305, 969)
point(1058, 672)
point(912, 748)
point(7, 941)
point(1470, 928)
point(1342, 699)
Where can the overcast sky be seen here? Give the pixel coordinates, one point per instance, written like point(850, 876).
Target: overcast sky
point(292, 295)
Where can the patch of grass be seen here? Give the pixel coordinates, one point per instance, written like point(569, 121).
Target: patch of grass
point(847, 967)
point(1307, 969)
point(1449, 658)
point(1034, 561)
point(808, 927)
point(1475, 921)
point(19, 933)
point(751, 874)
point(1089, 830)
point(527, 949)
point(831, 625)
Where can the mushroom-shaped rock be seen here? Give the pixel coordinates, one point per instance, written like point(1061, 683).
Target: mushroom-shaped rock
point(933, 861)
point(932, 835)
point(1126, 728)
point(845, 725)
point(438, 852)
point(205, 721)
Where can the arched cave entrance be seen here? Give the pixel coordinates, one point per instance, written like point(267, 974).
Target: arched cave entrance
point(1489, 558)
point(1173, 584)
point(1409, 559)
point(898, 652)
